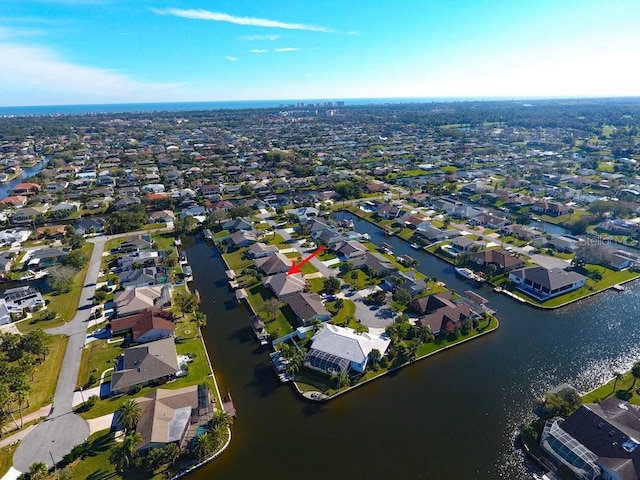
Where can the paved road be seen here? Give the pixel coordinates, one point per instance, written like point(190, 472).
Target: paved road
point(50, 440)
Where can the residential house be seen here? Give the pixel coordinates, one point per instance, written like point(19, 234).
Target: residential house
point(561, 243)
point(554, 209)
point(329, 237)
point(241, 238)
point(146, 326)
point(406, 281)
point(15, 201)
point(45, 257)
point(125, 202)
point(283, 285)
point(489, 220)
point(135, 300)
point(431, 303)
point(447, 318)
point(501, 259)
point(519, 231)
point(303, 214)
point(136, 243)
point(272, 264)
point(153, 362)
point(387, 211)
point(136, 260)
point(308, 308)
point(373, 263)
point(169, 416)
point(260, 250)
point(28, 214)
point(22, 299)
point(143, 277)
point(161, 216)
point(433, 234)
point(350, 249)
point(26, 189)
point(238, 224)
point(597, 441)
point(544, 283)
point(338, 349)
point(88, 225)
point(462, 244)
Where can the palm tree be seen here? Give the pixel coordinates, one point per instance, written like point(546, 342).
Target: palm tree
point(38, 471)
point(130, 413)
point(616, 376)
point(635, 371)
point(343, 379)
point(222, 420)
point(123, 455)
point(204, 445)
point(21, 395)
point(171, 453)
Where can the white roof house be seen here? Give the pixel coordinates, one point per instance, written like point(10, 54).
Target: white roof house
point(336, 348)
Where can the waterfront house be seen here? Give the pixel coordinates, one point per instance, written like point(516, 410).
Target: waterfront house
point(544, 283)
point(373, 263)
point(501, 259)
point(489, 220)
point(241, 238)
point(46, 257)
point(284, 286)
point(22, 299)
point(406, 281)
point(308, 308)
point(518, 231)
point(335, 349)
point(153, 362)
point(441, 314)
point(134, 300)
point(147, 326)
point(172, 416)
point(272, 264)
point(350, 249)
point(597, 441)
point(237, 224)
point(26, 188)
point(136, 243)
point(142, 277)
point(260, 250)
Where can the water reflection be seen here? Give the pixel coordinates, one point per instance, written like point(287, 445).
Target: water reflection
point(453, 416)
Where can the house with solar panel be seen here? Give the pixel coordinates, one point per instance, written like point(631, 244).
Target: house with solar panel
point(337, 349)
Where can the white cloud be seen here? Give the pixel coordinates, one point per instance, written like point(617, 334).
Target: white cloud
point(231, 59)
point(286, 49)
point(258, 50)
point(352, 32)
point(199, 14)
point(34, 74)
point(252, 38)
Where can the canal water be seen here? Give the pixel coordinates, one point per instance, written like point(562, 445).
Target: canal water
point(452, 416)
point(26, 173)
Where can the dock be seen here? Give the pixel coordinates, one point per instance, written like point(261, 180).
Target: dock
point(206, 234)
point(231, 275)
point(618, 288)
point(227, 405)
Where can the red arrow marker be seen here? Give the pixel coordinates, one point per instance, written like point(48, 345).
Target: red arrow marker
point(295, 268)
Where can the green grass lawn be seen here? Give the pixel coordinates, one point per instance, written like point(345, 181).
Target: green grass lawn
point(6, 458)
point(45, 377)
point(163, 240)
point(307, 268)
point(97, 356)
point(317, 284)
point(359, 282)
point(281, 325)
point(97, 464)
point(625, 389)
point(237, 260)
point(66, 304)
point(28, 325)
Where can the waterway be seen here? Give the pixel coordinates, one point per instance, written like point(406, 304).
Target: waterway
point(26, 173)
point(452, 416)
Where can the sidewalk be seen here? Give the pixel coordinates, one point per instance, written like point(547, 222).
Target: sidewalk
point(20, 434)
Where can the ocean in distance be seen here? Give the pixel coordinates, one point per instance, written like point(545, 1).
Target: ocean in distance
point(38, 110)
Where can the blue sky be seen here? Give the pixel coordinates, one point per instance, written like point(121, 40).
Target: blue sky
point(119, 51)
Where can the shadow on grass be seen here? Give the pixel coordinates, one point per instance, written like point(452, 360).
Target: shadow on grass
point(101, 475)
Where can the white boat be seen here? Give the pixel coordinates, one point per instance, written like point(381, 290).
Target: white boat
point(415, 245)
point(468, 274)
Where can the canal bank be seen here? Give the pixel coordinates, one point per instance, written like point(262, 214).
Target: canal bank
point(476, 395)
